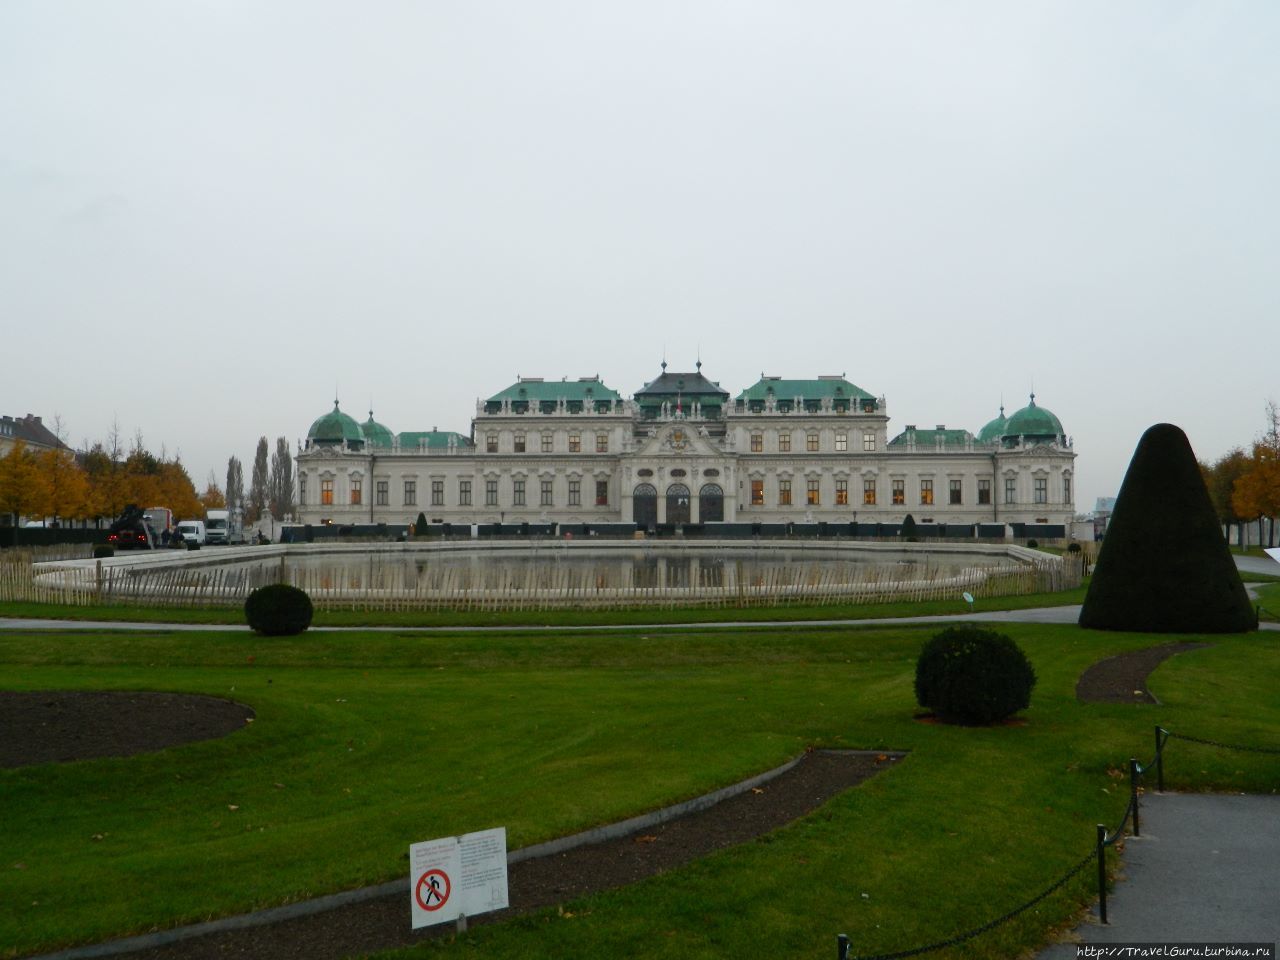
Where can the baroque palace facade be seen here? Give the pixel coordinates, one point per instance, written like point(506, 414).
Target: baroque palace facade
point(682, 451)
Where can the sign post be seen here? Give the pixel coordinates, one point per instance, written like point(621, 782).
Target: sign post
point(458, 877)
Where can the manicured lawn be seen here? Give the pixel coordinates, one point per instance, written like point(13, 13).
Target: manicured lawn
point(366, 742)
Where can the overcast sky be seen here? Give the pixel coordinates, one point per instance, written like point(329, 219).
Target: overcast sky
point(214, 215)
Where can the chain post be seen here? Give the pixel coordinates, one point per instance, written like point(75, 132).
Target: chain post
point(1134, 773)
point(1102, 872)
point(842, 947)
point(1159, 759)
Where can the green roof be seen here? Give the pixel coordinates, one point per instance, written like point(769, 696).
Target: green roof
point(435, 439)
point(837, 388)
point(1034, 422)
point(335, 428)
point(994, 429)
point(583, 390)
point(931, 438)
point(375, 434)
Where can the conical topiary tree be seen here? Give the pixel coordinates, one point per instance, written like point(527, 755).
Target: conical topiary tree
point(1164, 565)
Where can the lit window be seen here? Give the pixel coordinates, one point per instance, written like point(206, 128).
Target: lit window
point(519, 443)
point(575, 443)
point(984, 491)
point(842, 443)
point(547, 500)
point(411, 493)
point(812, 496)
point(326, 492)
point(602, 493)
point(811, 443)
point(899, 492)
point(355, 492)
point(490, 443)
point(1042, 490)
point(517, 492)
point(757, 442)
point(382, 495)
point(868, 442)
point(869, 493)
point(842, 492)
point(757, 493)
point(784, 493)
point(926, 493)
point(546, 443)
point(464, 493)
point(602, 443)
point(784, 443)
point(491, 493)
point(954, 492)
point(437, 493)
point(575, 493)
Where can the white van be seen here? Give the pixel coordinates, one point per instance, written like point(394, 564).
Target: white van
point(192, 531)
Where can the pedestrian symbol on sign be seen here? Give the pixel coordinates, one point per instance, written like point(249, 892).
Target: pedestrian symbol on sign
point(432, 890)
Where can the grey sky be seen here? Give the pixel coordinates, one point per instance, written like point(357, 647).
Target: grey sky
point(214, 214)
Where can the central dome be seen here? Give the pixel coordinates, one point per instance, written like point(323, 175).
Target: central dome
point(1033, 423)
point(334, 429)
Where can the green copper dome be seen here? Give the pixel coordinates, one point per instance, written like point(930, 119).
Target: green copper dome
point(1033, 423)
point(375, 434)
point(334, 428)
point(994, 430)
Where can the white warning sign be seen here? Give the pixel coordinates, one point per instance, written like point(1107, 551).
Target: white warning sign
point(458, 876)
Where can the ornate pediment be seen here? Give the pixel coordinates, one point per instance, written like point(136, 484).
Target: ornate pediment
point(677, 440)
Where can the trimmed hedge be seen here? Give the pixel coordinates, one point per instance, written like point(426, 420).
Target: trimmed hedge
point(1165, 566)
point(278, 610)
point(971, 675)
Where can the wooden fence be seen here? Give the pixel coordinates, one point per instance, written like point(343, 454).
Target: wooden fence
point(376, 583)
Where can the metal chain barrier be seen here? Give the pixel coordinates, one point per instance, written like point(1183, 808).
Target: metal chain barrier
point(1227, 746)
point(970, 934)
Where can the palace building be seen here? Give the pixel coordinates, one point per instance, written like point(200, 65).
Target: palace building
point(681, 450)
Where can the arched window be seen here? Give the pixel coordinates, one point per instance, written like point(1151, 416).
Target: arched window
point(644, 505)
point(711, 503)
point(678, 509)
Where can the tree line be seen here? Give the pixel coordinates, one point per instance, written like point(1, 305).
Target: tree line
point(1245, 486)
point(94, 485)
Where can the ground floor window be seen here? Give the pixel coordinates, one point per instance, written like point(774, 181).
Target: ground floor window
point(326, 492)
point(355, 492)
point(812, 496)
point(464, 493)
point(926, 493)
point(842, 492)
point(984, 491)
point(517, 492)
point(784, 493)
point(869, 493)
point(757, 493)
point(602, 493)
point(1010, 490)
point(411, 493)
point(437, 493)
point(1042, 490)
point(547, 499)
point(955, 492)
point(382, 494)
point(491, 493)
point(575, 493)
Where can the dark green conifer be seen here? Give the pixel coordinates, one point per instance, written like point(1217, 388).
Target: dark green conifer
point(1164, 565)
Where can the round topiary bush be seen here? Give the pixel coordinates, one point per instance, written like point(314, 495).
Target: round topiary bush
point(971, 675)
point(278, 610)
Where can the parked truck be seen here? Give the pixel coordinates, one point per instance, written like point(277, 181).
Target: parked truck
point(217, 526)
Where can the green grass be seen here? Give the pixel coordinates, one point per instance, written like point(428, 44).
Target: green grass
point(366, 742)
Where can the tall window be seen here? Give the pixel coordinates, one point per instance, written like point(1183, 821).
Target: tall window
point(547, 499)
point(520, 443)
point(811, 442)
point(326, 492)
point(757, 442)
point(1010, 490)
point(575, 493)
point(437, 493)
point(411, 493)
point(464, 493)
point(869, 493)
point(757, 493)
point(382, 494)
point(868, 442)
point(954, 492)
point(1066, 489)
point(355, 492)
point(984, 491)
point(899, 492)
point(602, 493)
point(842, 442)
point(517, 492)
point(302, 488)
point(842, 492)
point(490, 443)
point(784, 443)
point(784, 493)
point(575, 443)
point(1042, 490)
point(546, 443)
point(926, 493)
point(602, 443)
point(491, 493)
point(812, 497)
